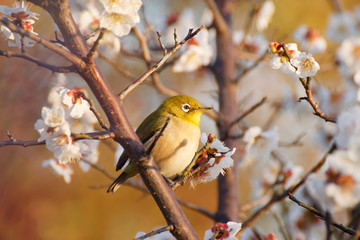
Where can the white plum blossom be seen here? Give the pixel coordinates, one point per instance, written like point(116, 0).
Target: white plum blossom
point(280, 61)
point(120, 16)
point(218, 165)
point(67, 153)
point(348, 124)
point(292, 174)
point(341, 25)
point(310, 40)
point(264, 15)
point(49, 133)
point(198, 53)
point(259, 143)
point(357, 81)
point(348, 56)
point(305, 64)
point(53, 117)
point(59, 169)
point(221, 160)
point(89, 152)
point(77, 106)
point(19, 11)
point(256, 44)
point(224, 231)
point(338, 187)
point(22, 17)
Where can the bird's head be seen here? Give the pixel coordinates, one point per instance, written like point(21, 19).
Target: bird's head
point(183, 107)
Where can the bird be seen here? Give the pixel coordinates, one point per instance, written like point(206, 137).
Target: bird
point(175, 148)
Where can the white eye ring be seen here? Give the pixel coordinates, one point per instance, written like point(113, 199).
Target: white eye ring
point(185, 107)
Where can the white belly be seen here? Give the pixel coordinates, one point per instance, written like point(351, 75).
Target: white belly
point(175, 149)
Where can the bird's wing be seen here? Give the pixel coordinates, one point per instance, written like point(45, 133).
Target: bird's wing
point(146, 132)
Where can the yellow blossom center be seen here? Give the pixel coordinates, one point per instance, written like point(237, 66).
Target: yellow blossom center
point(307, 64)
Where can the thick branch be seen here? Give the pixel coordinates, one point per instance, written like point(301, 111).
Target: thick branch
point(119, 124)
point(221, 23)
point(225, 73)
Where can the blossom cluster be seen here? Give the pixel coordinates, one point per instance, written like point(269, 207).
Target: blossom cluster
point(69, 113)
point(222, 231)
point(290, 60)
point(213, 161)
point(337, 187)
point(22, 17)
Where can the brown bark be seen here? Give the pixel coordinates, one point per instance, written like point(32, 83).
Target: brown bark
point(119, 124)
point(225, 72)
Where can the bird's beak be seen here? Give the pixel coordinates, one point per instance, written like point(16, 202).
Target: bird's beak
point(204, 108)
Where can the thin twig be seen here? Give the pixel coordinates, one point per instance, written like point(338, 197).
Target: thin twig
point(278, 197)
point(100, 169)
point(140, 80)
point(93, 136)
point(47, 44)
point(295, 142)
point(327, 223)
point(197, 208)
point(60, 69)
point(75, 136)
point(157, 231)
point(92, 34)
point(120, 69)
point(93, 109)
point(310, 100)
point(249, 69)
point(138, 186)
point(245, 113)
point(155, 76)
point(322, 216)
point(281, 225)
point(143, 43)
point(92, 51)
point(175, 37)
point(161, 43)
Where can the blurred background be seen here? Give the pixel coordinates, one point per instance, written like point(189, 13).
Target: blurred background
point(36, 204)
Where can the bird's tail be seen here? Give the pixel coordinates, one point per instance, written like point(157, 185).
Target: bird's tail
point(117, 183)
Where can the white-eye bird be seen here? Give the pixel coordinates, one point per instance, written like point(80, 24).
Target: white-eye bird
point(178, 143)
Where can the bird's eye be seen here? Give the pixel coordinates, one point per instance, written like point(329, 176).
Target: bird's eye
point(185, 107)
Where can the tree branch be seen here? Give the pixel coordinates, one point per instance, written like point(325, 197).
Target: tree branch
point(59, 69)
point(119, 124)
point(157, 231)
point(246, 112)
point(140, 80)
point(96, 113)
point(49, 45)
point(221, 24)
point(310, 100)
point(322, 215)
point(75, 136)
point(278, 197)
